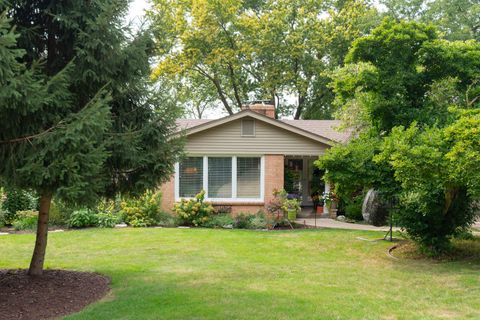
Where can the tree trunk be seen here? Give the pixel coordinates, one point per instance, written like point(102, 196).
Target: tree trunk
point(38, 258)
point(299, 111)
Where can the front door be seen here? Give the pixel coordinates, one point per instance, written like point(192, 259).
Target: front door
point(302, 178)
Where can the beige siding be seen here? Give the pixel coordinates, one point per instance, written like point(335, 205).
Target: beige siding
point(227, 139)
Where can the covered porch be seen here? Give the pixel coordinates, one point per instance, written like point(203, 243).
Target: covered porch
point(303, 180)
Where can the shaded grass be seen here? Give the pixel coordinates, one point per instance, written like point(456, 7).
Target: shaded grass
point(239, 274)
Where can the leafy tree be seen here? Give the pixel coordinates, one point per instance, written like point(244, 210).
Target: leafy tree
point(399, 75)
point(81, 119)
point(276, 50)
point(434, 168)
point(390, 75)
point(457, 19)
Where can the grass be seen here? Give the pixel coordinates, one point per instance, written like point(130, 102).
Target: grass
point(238, 274)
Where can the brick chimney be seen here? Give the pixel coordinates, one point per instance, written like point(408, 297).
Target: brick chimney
point(263, 107)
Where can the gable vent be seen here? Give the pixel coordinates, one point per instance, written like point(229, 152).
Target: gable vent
point(248, 128)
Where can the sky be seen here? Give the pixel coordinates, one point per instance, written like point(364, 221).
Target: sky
point(137, 7)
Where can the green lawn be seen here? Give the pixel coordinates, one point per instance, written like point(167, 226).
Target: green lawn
point(235, 274)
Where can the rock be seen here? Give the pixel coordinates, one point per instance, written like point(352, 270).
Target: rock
point(341, 218)
point(228, 226)
point(183, 227)
point(4, 233)
point(374, 210)
point(158, 227)
point(121, 225)
point(57, 230)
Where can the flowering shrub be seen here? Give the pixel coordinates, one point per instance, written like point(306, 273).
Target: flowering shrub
point(143, 211)
point(195, 211)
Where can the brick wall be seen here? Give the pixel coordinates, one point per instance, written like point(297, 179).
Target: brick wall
point(273, 175)
point(168, 194)
point(273, 180)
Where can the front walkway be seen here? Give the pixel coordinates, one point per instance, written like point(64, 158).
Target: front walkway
point(334, 224)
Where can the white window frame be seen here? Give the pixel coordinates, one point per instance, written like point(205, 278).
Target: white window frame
point(234, 198)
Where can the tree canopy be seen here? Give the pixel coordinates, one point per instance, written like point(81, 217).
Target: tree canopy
point(274, 50)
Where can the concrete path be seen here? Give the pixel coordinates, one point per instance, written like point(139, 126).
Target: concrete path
point(334, 224)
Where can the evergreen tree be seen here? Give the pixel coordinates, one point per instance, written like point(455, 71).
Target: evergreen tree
point(90, 123)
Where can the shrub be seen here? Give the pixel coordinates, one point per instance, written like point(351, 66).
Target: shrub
point(106, 220)
point(242, 221)
point(143, 211)
point(18, 200)
point(220, 221)
point(195, 211)
point(25, 220)
point(167, 220)
point(353, 208)
point(254, 221)
point(261, 221)
point(82, 218)
point(59, 215)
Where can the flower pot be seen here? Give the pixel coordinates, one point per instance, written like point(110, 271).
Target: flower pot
point(292, 215)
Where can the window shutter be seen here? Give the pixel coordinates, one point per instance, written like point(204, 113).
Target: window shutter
point(248, 177)
point(219, 177)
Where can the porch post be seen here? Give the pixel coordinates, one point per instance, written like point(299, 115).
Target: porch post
point(327, 190)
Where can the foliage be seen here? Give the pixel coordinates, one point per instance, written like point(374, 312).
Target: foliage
point(353, 208)
point(433, 166)
point(256, 221)
point(194, 211)
point(233, 51)
point(351, 169)
point(261, 221)
point(59, 213)
point(25, 220)
point(457, 19)
point(83, 218)
point(106, 220)
point(389, 86)
point(280, 206)
point(392, 77)
point(220, 221)
point(167, 220)
point(17, 200)
point(142, 211)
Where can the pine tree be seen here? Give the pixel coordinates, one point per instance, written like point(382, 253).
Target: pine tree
point(90, 123)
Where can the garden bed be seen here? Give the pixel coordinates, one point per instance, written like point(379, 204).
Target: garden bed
point(56, 293)
point(461, 250)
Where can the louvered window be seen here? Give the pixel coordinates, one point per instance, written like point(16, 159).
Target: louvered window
point(248, 177)
point(220, 177)
point(248, 127)
point(191, 177)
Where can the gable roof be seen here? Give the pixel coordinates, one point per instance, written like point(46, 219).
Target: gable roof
point(323, 131)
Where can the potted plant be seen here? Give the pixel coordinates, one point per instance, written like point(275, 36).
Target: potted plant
point(291, 207)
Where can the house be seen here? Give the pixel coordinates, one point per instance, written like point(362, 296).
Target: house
point(239, 160)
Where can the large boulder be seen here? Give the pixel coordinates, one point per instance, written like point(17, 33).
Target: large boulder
point(374, 210)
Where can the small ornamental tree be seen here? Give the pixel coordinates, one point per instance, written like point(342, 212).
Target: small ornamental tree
point(79, 117)
point(438, 173)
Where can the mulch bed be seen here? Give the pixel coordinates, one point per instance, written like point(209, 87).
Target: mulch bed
point(56, 293)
